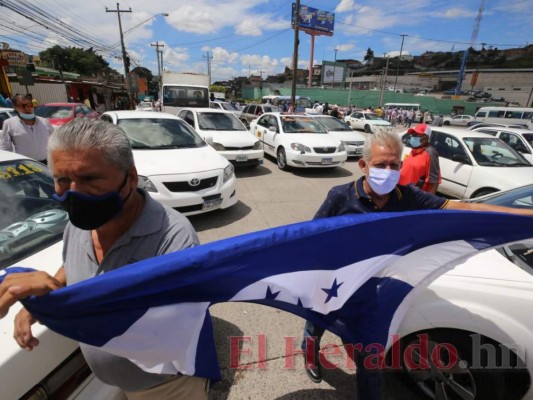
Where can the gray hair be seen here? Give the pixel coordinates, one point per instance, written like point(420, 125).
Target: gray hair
point(19, 97)
point(87, 133)
point(382, 138)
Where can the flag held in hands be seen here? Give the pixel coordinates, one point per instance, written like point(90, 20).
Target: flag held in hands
point(354, 275)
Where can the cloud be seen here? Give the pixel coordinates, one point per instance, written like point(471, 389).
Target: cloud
point(345, 6)
point(345, 47)
point(453, 13)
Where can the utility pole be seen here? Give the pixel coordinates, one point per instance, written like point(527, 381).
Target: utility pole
point(209, 58)
point(161, 56)
point(399, 61)
point(384, 80)
point(125, 58)
point(157, 45)
point(295, 55)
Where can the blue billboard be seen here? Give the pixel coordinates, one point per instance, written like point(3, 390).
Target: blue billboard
point(317, 21)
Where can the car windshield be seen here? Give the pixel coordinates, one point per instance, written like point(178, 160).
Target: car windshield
point(270, 108)
point(160, 133)
point(30, 219)
point(303, 124)
point(54, 111)
point(213, 121)
point(229, 107)
point(492, 152)
point(371, 116)
point(334, 124)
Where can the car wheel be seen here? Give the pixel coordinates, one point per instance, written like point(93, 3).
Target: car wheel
point(483, 192)
point(446, 123)
point(443, 366)
point(282, 159)
point(367, 129)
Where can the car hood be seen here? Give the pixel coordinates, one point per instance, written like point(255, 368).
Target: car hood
point(348, 136)
point(177, 161)
point(230, 138)
point(378, 122)
point(313, 139)
point(59, 121)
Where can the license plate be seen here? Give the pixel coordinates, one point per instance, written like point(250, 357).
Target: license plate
point(359, 151)
point(242, 158)
point(326, 161)
point(209, 204)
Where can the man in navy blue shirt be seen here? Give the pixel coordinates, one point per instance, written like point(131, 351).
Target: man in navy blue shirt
point(377, 191)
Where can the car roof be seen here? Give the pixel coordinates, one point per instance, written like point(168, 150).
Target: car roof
point(458, 132)
point(499, 128)
point(9, 155)
point(7, 109)
point(206, 109)
point(123, 114)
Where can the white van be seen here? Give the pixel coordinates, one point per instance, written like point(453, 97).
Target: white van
point(505, 115)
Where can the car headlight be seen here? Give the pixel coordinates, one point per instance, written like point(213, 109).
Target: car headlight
point(217, 146)
point(300, 147)
point(146, 184)
point(228, 172)
point(341, 147)
point(257, 145)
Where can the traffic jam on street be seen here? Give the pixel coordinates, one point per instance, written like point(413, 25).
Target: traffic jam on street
point(309, 245)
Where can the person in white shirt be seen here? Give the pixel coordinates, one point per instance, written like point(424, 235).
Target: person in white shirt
point(26, 133)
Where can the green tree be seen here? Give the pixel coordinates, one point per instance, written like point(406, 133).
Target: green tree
point(73, 59)
point(143, 73)
point(369, 54)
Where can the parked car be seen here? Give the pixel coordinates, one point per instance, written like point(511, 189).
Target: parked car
point(5, 113)
point(519, 139)
point(31, 229)
point(254, 111)
point(175, 165)
point(477, 309)
point(366, 121)
point(353, 141)
point(478, 124)
point(297, 140)
point(226, 134)
point(473, 164)
point(458, 120)
point(145, 106)
point(60, 113)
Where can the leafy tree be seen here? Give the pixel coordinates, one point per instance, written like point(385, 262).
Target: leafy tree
point(369, 54)
point(143, 73)
point(217, 88)
point(73, 59)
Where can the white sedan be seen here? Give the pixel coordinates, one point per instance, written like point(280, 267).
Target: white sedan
point(473, 164)
point(31, 229)
point(226, 134)
point(468, 334)
point(458, 120)
point(353, 141)
point(297, 140)
point(367, 121)
point(519, 139)
point(175, 165)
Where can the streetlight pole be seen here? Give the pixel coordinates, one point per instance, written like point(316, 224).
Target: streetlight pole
point(399, 61)
point(124, 55)
point(295, 54)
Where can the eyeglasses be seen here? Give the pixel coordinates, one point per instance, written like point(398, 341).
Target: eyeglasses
point(25, 105)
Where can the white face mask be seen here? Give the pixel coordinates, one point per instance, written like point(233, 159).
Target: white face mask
point(382, 180)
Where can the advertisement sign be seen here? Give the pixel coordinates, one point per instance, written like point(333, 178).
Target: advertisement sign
point(333, 73)
point(15, 58)
point(318, 21)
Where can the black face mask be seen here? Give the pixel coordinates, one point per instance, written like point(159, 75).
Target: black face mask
point(91, 212)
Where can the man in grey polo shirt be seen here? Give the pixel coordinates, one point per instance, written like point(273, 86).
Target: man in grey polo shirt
point(112, 224)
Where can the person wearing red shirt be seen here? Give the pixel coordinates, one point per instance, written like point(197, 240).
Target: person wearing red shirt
point(421, 167)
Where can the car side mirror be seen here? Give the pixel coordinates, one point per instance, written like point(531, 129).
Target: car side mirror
point(272, 129)
point(461, 158)
point(209, 140)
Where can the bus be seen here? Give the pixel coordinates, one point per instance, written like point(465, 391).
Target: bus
point(404, 106)
point(302, 102)
point(505, 115)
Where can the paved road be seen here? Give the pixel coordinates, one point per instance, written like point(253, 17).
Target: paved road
point(268, 198)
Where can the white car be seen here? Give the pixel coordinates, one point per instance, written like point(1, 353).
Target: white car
point(297, 140)
point(518, 138)
point(353, 141)
point(176, 167)
point(226, 134)
point(473, 164)
point(31, 229)
point(367, 121)
point(5, 113)
point(480, 309)
point(145, 106)
point(458, 120)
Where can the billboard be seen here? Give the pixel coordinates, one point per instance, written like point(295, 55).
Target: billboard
point(317, 21)
point(15, 58)
point(333, 73)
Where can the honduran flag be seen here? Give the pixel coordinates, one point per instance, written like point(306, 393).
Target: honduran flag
point(354, 275)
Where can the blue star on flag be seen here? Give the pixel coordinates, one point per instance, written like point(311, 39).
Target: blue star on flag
point(333, 291)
